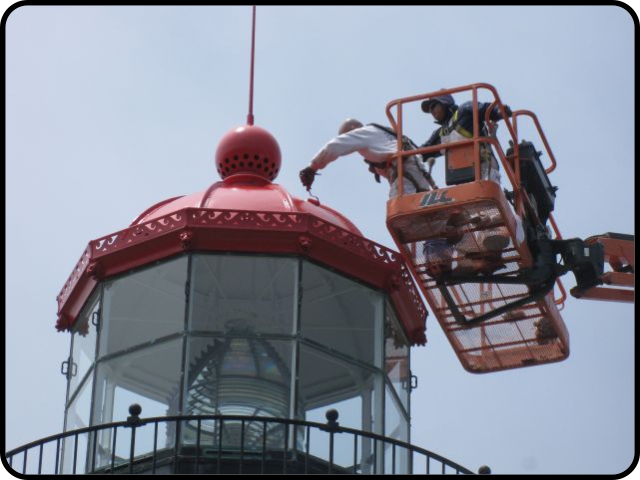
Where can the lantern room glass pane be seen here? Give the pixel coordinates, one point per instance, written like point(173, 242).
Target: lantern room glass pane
point(326, 382)
point(79, 410)
point(149, 377)
point(143, 306)
point(235, 294)
point(83, 353)
point(342, 314)
point(396, 357)
point(396, 421)
point(397, 427)
point(237, 376)
point(77, 416)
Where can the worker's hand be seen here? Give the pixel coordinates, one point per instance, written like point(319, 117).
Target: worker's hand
point(307, 176)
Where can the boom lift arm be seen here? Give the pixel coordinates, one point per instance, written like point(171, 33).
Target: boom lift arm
point(575, 255)
point(619, 282)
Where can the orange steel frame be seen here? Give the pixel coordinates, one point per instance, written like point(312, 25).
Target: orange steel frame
point(404, 208)
point(521, 201)
point(619, 253)
point(514, 176)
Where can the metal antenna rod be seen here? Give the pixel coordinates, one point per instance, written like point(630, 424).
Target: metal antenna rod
point(253, 44)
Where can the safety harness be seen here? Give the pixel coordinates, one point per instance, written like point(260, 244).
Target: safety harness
point(455, 125)
point(407, 144)
point(486, 155)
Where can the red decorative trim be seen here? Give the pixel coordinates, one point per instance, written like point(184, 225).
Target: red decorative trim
point(153, 208)
point(357, 244)
point(304, 242)
point(245, 219)
point(63, 322)
point(137, 234)
point(186, 238)
point(393, 283)
point(75, 276)
point(198, 229)
point(95, 270)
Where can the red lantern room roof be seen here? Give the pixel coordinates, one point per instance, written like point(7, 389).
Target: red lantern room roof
point(247, 192)
point(248, 160)
point(245, 212)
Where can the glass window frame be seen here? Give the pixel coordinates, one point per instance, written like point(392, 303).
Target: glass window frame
point(107, 323)
point(94, 303)
point(404, 399)
point(197, 258)
point(378, 369)
point(381, 299)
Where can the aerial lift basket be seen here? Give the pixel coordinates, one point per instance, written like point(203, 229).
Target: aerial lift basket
point(529, 334)
point(447, 236)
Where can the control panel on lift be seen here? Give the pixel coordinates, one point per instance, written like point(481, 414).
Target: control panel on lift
point(534, 179)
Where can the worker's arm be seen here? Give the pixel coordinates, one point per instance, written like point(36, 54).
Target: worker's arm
point(434, 139)
point(345, 144)
point(495, 114)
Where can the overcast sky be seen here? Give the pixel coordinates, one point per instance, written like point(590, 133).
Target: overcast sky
point(112, 109)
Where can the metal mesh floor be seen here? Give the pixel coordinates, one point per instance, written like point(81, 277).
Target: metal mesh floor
point(528, 335)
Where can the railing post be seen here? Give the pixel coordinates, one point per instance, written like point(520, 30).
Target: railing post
point(75, 453)
point(410, 462)
point(264, 446)
point(155, 447)
point(241, 445)
point(176, 445)
point(93, 442)
point(400, 160)
point(113, 447)
point(355, 453)
point(285, 449)
point(56, 468)
point(393, 459)
point(332, 425)
point(221, 426)
point(40, 459)
point(476, 133)
point(133, 421)
point(307, 449)
point(198, 446)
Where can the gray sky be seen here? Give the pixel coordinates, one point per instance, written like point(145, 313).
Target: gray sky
point(112, 109)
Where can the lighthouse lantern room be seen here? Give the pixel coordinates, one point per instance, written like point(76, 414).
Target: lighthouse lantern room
point(231, 305)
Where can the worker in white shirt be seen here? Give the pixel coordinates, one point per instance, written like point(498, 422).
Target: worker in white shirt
point(377, 144)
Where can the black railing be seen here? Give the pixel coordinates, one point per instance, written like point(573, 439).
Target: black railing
point(226, 445)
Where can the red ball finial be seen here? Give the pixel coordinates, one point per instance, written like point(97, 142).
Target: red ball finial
point(248, 150)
